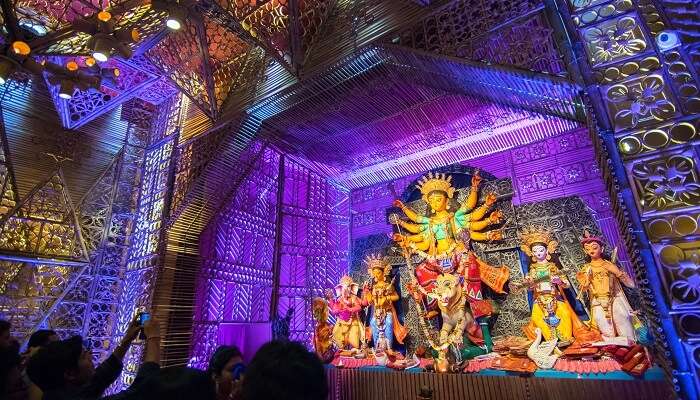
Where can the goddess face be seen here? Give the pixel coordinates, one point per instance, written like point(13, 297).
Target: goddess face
point(593, 250)
point(437, 200)
point(378, 274)
point(539, 251)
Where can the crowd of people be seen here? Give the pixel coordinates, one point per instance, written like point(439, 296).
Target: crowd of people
point(54, 369)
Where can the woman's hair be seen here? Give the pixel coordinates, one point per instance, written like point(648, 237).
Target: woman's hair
point(221, 357)
point(40, 338)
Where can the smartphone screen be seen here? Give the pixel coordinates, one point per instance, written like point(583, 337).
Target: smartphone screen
point(143, 317)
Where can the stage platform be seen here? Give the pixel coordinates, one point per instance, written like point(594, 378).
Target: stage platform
point(379, 383)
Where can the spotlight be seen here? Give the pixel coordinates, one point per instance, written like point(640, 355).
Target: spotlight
point(104, 16)
point(127, 35)
point(21, 48)
point(90, 61)
point(72, 65)
point(176, 13)
point(67, 89)
point(173, 22)
point(101, 47)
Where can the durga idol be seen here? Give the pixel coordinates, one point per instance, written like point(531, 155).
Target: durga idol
point(442, 239)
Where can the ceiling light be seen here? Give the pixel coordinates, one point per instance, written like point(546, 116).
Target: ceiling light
point(67, 89)
point(176, 18)
point(90, 61)
point(176, 13)
point(104, 16)
point(173, 23)
point(101, 48)
point(72, 65)
point(21, 48)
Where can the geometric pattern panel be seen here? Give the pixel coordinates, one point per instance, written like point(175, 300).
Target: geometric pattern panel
point(652, 97)
point(8, 191)
point(315, 243)
point(180, 56)
point(33, 291)
point(667, 182)
point(498, 36)
point(680, 263)
point(44, 224)
point(86, 105)
point(235, 280)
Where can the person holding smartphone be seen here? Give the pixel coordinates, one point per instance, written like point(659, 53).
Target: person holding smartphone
point(65, 369)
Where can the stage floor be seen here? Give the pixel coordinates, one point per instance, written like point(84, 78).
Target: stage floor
point(379, 383)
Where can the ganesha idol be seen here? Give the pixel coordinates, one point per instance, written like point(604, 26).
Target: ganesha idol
point(441, 238)
point(345, 305)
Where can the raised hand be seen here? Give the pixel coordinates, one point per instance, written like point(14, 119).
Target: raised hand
point(490, 199)
point(151, 328)
point(132, 330)
point(476, 178)
point(496, 216)
point(329, 294)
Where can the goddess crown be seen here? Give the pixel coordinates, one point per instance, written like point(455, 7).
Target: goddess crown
point(439, 182)
point(590, 238)
point(376, 261)
point(533, 235)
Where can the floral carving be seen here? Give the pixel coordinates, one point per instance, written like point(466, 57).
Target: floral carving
point(613, 40)
point(639, 101)
point(665, 184)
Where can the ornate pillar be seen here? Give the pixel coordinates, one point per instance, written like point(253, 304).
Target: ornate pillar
point(636, 62)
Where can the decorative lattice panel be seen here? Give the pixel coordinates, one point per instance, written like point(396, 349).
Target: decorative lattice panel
point(315, 243)
point(44, 223)
point(237, 250)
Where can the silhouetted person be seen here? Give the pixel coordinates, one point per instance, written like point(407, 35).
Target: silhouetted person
point(64, 370)
point(173, 383)
point(38, 340)
point(283, 370)
point(5, 337)
point(41, 338)
point(226, 369)
point(12, 386)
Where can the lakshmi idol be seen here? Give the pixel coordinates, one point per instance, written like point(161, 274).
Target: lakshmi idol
point(380, 296)
point(551, 312)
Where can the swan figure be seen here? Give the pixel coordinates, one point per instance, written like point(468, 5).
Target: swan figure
point(544, 354)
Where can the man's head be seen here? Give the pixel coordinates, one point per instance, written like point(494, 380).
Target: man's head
point(5, 338)
point(176, 383)
point(285, 370)
point(61, 364)
point(225, 367)
point(42, 337)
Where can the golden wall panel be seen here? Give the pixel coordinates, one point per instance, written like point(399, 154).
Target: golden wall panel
point(639, 101)
point(674, 226)
point(665, 182)
point(614, 40)
point(680, 264)
point(619, 72)
point(601, 11)
point(664, 137)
